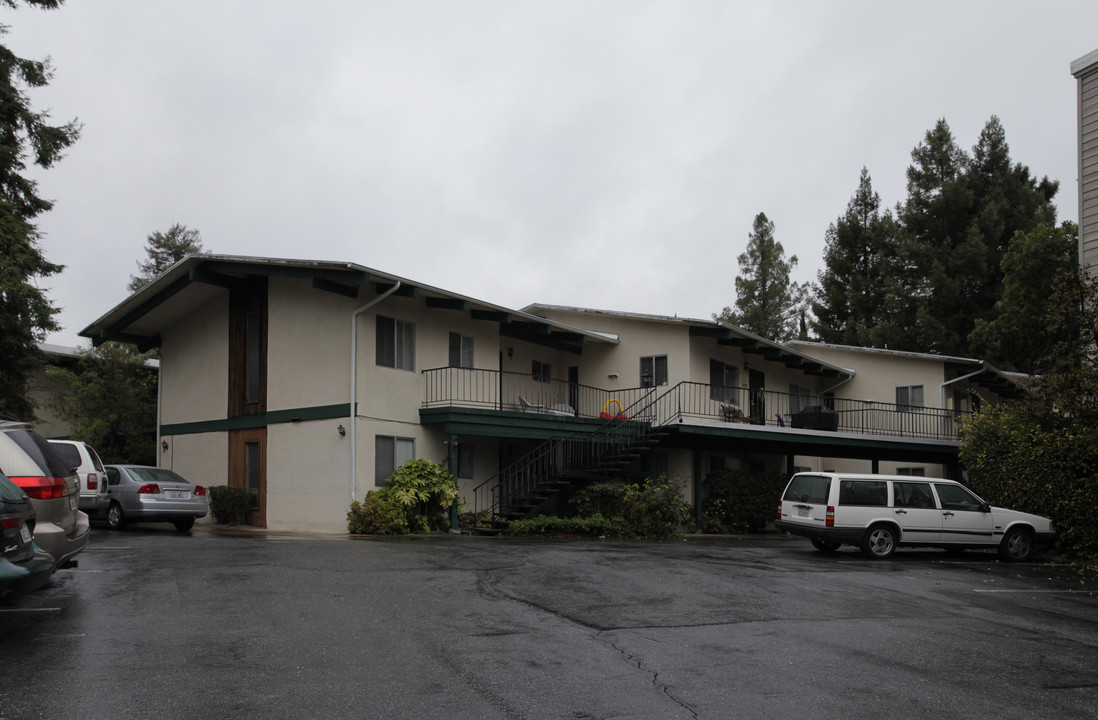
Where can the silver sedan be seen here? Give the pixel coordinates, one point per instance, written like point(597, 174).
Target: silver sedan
point(140, 493)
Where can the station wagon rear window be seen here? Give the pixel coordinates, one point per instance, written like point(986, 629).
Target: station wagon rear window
point(808, 489)
point(871, 493)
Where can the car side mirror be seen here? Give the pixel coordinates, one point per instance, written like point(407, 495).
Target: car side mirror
point(986, 507)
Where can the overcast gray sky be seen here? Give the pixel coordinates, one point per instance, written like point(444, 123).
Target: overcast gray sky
point(597, 153)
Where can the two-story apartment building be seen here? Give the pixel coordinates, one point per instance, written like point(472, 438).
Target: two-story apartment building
point(308, 382)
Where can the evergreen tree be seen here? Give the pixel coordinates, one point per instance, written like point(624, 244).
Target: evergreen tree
point(767, 301)
point(849, 298)
point(164, 249)
point(960, 214)
point(1017, 336)
point(26, 313)
point(110, 402)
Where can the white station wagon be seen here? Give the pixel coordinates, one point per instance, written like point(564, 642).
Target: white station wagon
point(879, 513)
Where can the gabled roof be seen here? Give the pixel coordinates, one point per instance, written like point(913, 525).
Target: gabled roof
point(724, 334)
point(983, 373)
point(198, 278)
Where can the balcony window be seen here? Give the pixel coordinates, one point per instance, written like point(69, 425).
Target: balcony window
point(724, 381)
point(461, 350)
point(653, 371)
point(542, 372)
point(909, 398)
point(800, 397)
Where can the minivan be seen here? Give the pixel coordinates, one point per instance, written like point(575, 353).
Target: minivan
point(89, 468)
point(878, 513)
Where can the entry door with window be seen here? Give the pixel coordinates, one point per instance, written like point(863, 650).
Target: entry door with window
point(248, 470)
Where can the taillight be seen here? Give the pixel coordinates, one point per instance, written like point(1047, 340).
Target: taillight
point(199, 490)
point(42, 488)
point(149, 489)
point(93, 481)
point(10, 522)
point(779, 511)
point(830, 518)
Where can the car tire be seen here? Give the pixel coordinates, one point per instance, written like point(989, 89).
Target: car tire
point(826, 546)
point(879, 542)
point(183, 524)
point(1017, 545)
point(116, 518)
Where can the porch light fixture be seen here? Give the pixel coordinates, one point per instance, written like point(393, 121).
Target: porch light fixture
point(164, 445)
point(342, 432)
point(510, 353)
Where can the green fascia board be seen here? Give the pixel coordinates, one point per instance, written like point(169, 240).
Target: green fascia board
point(441, 303)
point(319, 283)
point(275, 417)
point(349, 277)
point(206, 276)
point(117, 329)
point(504, 423)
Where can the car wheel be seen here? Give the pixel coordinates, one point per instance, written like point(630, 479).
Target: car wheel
point(116, 519)
point(827, 546)
point(184, 524)
point(1017, 545)
point(879, 542)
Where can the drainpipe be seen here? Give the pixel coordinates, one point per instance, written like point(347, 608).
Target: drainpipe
point(942, 387)
point(838, 384)
point(354, 374)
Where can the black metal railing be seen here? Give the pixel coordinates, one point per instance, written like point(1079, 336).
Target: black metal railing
point(495, 390)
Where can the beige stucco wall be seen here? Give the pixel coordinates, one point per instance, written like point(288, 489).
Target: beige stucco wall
point(308, 477)
point(308, 346)
point(880, 373)
point(195, 365)
point(202, 458)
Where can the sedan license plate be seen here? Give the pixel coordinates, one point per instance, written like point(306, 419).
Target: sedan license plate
point(176, 494)
point(25, 534)
point(803, 510)
point(72, 502)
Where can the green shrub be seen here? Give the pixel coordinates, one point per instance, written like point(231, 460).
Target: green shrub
point(379, 513)
point(651, 509)
point(419, 491)
point(740, 501)
point(654, 508)
point(228, 505)
point(591, 526)
point(1050, 469)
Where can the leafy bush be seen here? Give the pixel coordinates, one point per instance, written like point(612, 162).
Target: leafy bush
point(740, 501)
point(652, 509)
point(1017, 463)
point(228, 505)
point(593, 526)
point(379, 513)
point(419, 491)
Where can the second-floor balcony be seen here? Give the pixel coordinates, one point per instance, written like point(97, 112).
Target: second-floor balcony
point(686, 402)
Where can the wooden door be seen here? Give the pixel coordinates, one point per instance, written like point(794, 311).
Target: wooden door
point(248, 469)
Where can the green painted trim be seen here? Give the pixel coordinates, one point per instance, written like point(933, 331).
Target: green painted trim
point(276, 417)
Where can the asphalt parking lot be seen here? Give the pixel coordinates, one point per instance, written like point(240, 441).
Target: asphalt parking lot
point(211, 624)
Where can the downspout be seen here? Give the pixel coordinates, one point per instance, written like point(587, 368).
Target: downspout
point(159, 403)
point(942, 387)
point(354, 374)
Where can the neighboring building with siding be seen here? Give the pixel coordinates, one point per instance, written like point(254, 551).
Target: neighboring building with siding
point(1085, 69)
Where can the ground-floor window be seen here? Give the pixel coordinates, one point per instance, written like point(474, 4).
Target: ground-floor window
point(465, 464)
point(390, 453)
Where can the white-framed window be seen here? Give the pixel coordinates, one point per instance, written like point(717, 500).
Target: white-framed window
point(396, 343)
point(541, 371)
point(909, 397)
point(653, 370)
point(390, 452)
point(461, 350)
point(724, 381)
point(465, 460)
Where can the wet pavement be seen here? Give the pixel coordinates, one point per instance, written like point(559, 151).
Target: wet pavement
point(212, 624)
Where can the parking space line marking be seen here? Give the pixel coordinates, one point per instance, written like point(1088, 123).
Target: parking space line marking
point(1024, 591)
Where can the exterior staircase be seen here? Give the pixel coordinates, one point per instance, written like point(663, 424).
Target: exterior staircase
point(580, 458)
